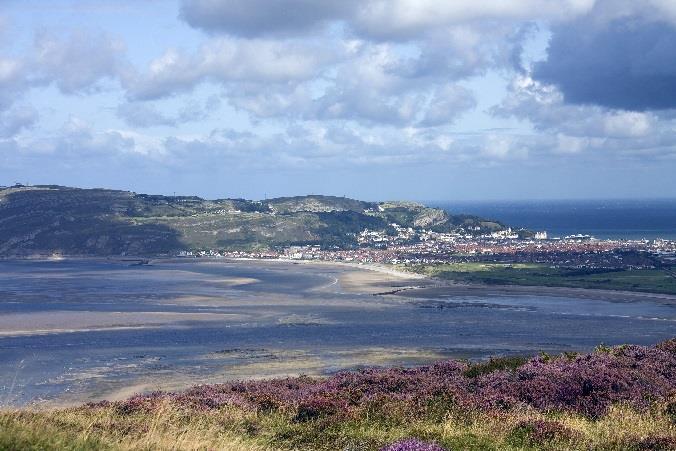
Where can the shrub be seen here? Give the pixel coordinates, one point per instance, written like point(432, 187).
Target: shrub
point(587, 384)
point(653, 443)
point(495, 364)
point(412, 444)
point(318, 406)
point(670, 410)
point(537, 432)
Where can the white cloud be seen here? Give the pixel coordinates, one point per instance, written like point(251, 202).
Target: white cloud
point(628, 124)
point(380, 19)
point(145, 114)
point(230, 60)
point(575, 129)
point(372, 86)
point(13, 82)
point(17, 119)
point(446, 104)
point(334, 84)
point(78, 62)
point(409, 19)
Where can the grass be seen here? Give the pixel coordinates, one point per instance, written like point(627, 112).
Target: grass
point(642, 280)
point(375, 410)
point(88, 428)
point(173, 427)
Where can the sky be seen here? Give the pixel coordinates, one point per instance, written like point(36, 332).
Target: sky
point(372, 99)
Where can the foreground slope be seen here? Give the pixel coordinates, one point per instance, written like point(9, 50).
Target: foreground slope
point(619, 398)
point(42, 220)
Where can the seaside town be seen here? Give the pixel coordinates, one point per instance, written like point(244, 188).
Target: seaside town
point(421, 246)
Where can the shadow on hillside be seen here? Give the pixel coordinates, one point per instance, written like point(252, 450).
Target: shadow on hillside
point(76, 222)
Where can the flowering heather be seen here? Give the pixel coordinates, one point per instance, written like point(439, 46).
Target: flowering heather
point(586, 384)
point(615, 398)
point(412, 445)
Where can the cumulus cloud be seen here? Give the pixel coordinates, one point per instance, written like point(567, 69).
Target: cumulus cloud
point(379, 19)
point(78, 138)
point(409, 19)
point(229, 60)
point(627, 63)
point(263, 17)
point(140, 114)
point(447, 103)
point(368, 87)
point(320, 145)
point(264, 101)
point(566, 128)
point(13, 81)
point(147, 114)
point(328, 84)
point(363, 78)
point(17, 119)
point(373, 85)
point(78, 62)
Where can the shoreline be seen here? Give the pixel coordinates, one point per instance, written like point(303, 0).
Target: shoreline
point(449, 287)
point(482, 289)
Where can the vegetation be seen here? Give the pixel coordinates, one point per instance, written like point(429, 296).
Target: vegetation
point(645, 280)
point(53, 219)
point(619, 398)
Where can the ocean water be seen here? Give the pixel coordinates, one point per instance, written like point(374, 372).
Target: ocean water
point(619, 219)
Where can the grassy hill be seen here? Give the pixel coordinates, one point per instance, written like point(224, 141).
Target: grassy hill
point(39, 220)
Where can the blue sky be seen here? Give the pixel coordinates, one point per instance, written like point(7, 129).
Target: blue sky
point(374, 99)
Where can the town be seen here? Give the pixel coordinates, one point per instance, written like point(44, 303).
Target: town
point(411, 246)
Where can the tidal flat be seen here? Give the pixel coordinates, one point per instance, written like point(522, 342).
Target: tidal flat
point(73, 331)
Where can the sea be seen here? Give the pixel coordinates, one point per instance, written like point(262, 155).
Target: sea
point(603, 219)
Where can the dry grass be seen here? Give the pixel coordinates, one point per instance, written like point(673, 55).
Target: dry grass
point(172, 427)
point(167, 427)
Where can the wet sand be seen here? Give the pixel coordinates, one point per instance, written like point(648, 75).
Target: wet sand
point(84, 330)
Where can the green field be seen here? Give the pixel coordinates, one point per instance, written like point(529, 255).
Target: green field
point(643, 280)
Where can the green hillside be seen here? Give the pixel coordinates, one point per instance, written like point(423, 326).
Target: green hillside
point(42, 220)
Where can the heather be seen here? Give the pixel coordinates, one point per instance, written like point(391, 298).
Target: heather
point(614, 398)
point(412, 445)
point(584, 384)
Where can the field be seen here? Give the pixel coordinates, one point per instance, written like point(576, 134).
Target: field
point(620, 398)
point(643, 280)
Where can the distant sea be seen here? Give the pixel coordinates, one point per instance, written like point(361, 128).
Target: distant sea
point(619, 219)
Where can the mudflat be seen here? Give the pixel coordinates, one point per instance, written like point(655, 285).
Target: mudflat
point(85, 330)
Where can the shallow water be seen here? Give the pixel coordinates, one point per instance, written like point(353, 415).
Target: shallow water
point(73, 331)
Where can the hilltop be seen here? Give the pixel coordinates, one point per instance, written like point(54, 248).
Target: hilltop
point(48, 219)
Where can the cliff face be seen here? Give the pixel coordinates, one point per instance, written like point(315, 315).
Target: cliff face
point(43, 220)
